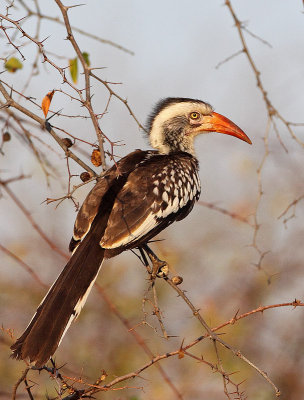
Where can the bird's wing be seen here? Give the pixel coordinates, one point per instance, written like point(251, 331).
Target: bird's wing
point(148, 199)
point(103, 194)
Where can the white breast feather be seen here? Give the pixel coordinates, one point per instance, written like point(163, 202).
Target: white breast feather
point(174, 204)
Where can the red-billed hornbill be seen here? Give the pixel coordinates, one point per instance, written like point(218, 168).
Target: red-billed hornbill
point(135, 200)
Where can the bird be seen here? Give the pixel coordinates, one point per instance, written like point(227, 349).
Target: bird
point(139, 196)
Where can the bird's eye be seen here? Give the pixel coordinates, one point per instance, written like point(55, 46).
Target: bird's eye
point(195, 115)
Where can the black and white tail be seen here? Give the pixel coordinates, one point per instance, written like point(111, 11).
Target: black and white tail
point(62, 304)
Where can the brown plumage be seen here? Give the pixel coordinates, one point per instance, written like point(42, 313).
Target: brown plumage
point(135, 200)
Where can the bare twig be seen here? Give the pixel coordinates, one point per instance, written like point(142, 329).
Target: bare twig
point(272, 114)
point(74, 28)
point(210, 332)
point(139, 339)
point(23, 265)
point(87, 102)
point(292, 206)
point(31, 220)
point(20, 380)
point(41, 121)
point(261, 309)
point(232, 215)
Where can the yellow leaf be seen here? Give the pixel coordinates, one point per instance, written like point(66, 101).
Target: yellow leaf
point(86, 58)
point(46, 102)
point(74, 69)
point(13, 64)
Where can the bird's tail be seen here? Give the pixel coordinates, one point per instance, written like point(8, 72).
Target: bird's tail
point(62, 304)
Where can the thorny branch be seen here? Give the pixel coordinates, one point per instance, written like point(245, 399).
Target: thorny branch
point(86, 69)
point(41, 121)
point(216, 338)
point(273, 114)
point(74, 28)
point(139, 339)
point(87, 100)
point(180, 352)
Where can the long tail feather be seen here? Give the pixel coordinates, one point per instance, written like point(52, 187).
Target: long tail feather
point(63, 302)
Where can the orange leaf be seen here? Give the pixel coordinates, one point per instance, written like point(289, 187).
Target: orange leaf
point(46, 102)
point(96, 158)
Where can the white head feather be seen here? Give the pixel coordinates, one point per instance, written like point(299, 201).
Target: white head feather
point(168, 112)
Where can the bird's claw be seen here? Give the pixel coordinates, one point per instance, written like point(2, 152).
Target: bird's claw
point(163, 270)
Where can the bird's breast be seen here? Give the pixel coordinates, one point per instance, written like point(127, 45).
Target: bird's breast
point(174, 187)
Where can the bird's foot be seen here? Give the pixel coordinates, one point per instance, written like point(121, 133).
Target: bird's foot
point(160, 268)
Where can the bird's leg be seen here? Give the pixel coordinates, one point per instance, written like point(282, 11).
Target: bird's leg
point(159, 268)
point(144, 260)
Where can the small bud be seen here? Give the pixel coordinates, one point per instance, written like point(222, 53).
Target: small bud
point(103, 375)
point(96, 158)
point(177, 280)
point(181, 354)
point(67, 141)
point(6, 137)
point(85, 176)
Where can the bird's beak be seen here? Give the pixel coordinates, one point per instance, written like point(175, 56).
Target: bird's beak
point(218, 123)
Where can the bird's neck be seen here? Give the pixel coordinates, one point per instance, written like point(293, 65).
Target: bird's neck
point(172, 141)
point(177, 141)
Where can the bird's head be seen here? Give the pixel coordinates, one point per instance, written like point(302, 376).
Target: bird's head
point(175, 122)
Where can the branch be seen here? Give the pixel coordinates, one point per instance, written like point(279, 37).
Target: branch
point(42, 123)
point(24, 265)
point(87, 103)
point(141, 342)
point(272, 111)
point(31, 220)
point(225, 212)
point(74, 28)
point(20, 380)
point(235, 351)
point(261, 309)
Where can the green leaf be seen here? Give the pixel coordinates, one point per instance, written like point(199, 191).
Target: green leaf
point(74, 69)
point(13, 64)
point(86, 58)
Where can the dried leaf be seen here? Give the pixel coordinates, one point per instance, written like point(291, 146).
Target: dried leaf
point(74, 69)
point(13, 64)
point(46, 102)
point(86, 58)
point(96, 158)
point(6, 137)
